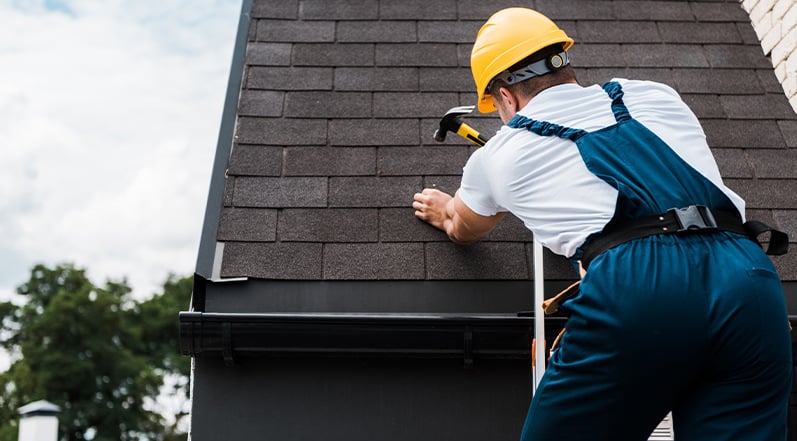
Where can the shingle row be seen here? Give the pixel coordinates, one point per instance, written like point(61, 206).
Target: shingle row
point(340, 99)
point(377, 261)
point(477, 10)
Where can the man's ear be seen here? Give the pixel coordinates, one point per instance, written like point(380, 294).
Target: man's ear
point(509, 98)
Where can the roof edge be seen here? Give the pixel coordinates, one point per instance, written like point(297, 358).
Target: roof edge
point(207, 242)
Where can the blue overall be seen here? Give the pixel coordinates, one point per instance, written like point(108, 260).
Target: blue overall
point(693, 324)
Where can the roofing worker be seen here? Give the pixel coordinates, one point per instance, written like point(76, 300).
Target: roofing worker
point(692, 322)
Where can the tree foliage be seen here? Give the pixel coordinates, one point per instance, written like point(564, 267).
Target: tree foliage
point(94, 351)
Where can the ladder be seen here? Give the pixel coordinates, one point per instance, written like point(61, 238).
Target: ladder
point(664, 431)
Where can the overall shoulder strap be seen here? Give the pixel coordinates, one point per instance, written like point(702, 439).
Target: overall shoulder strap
point(544, 128)
point(615, 92)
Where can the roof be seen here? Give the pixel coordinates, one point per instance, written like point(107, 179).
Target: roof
point(38, 408)
point(334, 102)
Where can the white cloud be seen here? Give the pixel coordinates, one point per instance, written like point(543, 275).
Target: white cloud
point(109, 116)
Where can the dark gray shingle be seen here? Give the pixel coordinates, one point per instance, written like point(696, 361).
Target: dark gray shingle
point(282, 131)
point(328, 225)
point(256, 160)
point(341, 98)
point(280, 192)
point(339, 9)
point(293, 31)
point(328, 105)
point(377, 32)
point(418, 10)
point(374, 261)
point(272, 260)
point(376, 79)
point(290, 78)
point(322, 54)
point(248, 225)
point(372, 191)
point(330, 161)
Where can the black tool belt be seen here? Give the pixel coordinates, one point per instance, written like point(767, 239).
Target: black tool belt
point(694, 219)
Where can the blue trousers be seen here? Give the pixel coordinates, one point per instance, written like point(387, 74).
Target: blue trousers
point(696, 325)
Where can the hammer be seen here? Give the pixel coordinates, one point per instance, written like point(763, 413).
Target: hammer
point(451, 122)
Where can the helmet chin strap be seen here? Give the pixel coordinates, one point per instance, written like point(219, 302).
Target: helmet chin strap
point(538, 68)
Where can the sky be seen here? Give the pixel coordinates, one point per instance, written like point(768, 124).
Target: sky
point(109, 118)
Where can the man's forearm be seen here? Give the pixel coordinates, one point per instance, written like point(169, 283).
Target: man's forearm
point(450, 214)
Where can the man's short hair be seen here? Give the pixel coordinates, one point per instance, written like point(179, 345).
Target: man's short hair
point(533, 85)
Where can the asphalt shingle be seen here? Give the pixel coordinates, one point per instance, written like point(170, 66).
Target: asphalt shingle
point(743, 133)
point(339, 9)
point(708, 12)
point(789, 131)
point(290, 78)
point(293, 31)
point(736, 56)
point(377, 32)
point(280, 192)
point(433, 160)
point(341, 98)
point(786, 221)
point(248, 225)
point(733, 163)
point(260, 103)
point(400, 225)
point(418, 10)
point(445, 79)
point(376, 79)
point(256, 160)
point(373, 132)
point(448, 31)
point(282, 131)
point(694, 32)
point(766, 193)
point(653, 10)
point(328, 105)
point(409, 105)
point(480, 9)
point(272, 260)
point(268, 54)
point(329, 161)
point(374, 261)
point(774, 164)
point(598, 32)
point(326, 54)
point(372, 191)
point(328, 225)
point(287, 9)
point(768, 106)
point(575, 9)
point(421, 54)
point(483, 260)
point(670, 56)
point(717, 81)
point(705, 106)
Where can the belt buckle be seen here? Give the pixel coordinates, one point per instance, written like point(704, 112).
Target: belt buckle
point(693, 217)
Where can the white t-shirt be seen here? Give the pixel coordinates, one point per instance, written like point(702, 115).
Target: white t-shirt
point(544, 181)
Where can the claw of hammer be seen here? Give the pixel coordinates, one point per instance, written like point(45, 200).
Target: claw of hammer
point(451, 122)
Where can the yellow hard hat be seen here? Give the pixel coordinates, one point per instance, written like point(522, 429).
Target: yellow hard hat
point(509, 36)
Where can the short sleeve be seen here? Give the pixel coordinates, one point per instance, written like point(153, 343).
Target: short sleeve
point(475, 189)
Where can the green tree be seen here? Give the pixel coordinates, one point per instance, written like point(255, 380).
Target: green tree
point(94, 351)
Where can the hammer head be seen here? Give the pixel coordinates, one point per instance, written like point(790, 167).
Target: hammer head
point(450, 122)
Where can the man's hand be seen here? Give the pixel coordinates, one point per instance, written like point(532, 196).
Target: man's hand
point(451, 215)
point(431, 205)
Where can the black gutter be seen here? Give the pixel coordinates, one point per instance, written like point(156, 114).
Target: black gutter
point(207, 242)
point(230, 335)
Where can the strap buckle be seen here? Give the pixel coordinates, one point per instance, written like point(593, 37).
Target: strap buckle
point(693, 217)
